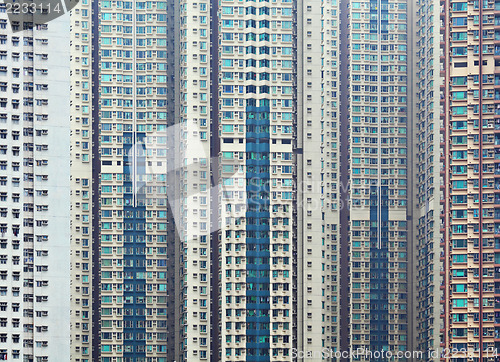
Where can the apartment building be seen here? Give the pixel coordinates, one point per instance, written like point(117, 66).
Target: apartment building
point(121, 91)
point(83, 256)
point(256, 125)
point(469, 114)
point(318, 179)
point(425, 159)
point(34, 188)
point(196, 304)
point(378, 235)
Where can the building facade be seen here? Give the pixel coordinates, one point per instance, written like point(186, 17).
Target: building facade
point(374, 194)
point(249, 180)
point(318, 183)
point(256, 125)
point(379, 208)
point(424, 179)
point(196, 304)
point(252, 179)
point(122, 89)
point(82, 205)
point(469, 114)
point(34, 188)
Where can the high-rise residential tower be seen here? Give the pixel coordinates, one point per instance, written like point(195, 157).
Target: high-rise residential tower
point(34, 187)
point(317, 178)
point(379, 207)
point(469, 108)
point(424, 181)
point(83, 254)
point(122, 86)
point(256, 125)
point(196, 302)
